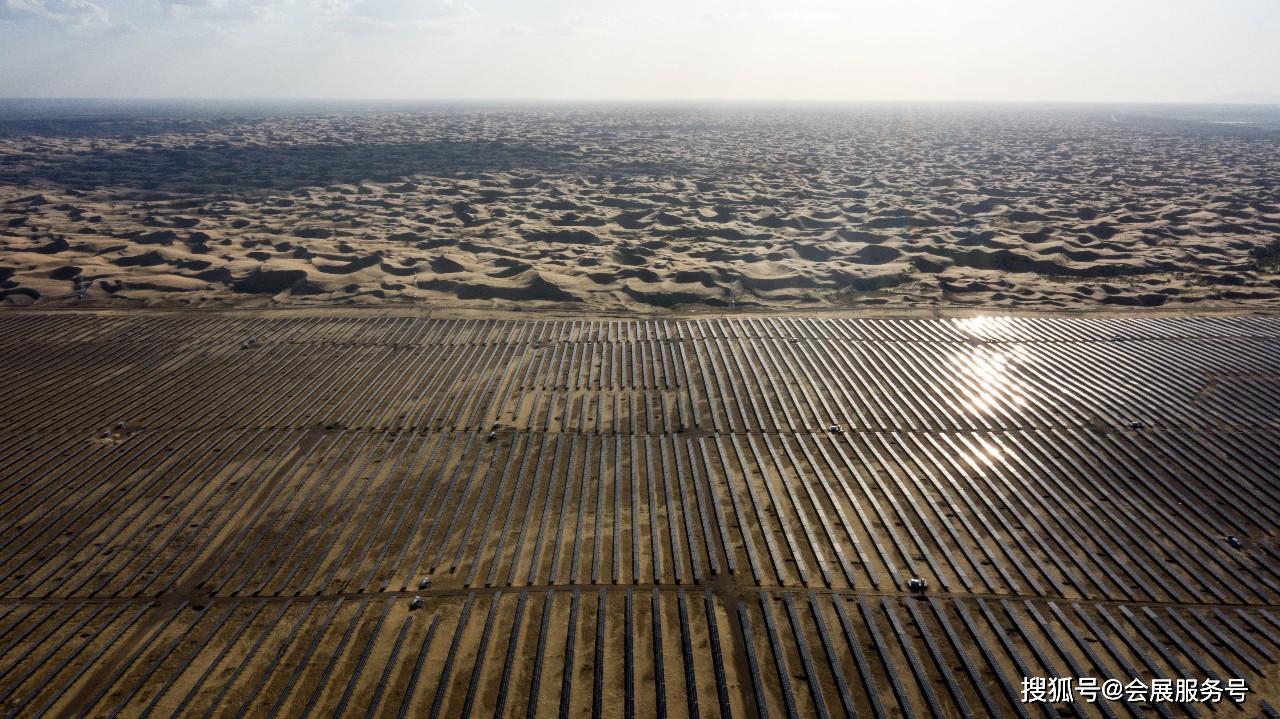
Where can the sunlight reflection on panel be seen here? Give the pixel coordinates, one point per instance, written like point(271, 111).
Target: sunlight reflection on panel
point(986, 379)
point(993, 329)
point(985, 452)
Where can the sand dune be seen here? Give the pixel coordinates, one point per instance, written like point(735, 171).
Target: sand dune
point(630, 210)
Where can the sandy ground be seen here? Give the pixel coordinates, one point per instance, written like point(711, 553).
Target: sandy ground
point(630, 210)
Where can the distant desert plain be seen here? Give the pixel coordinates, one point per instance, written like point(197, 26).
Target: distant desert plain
point(632, 209)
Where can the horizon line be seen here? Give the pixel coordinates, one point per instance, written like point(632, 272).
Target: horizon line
point(1268, 102)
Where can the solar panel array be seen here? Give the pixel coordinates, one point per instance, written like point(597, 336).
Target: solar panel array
point(230, 514)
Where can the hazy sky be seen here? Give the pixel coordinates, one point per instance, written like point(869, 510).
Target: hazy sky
point(1081, 50)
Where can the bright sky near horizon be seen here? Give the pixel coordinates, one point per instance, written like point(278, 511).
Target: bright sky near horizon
point(967, 50)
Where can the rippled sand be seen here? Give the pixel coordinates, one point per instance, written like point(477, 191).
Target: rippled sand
point(637, 210)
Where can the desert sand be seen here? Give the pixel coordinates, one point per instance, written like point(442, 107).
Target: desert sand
point(638, 210)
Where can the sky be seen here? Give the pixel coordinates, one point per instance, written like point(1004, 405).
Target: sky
point(807, 50)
